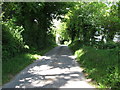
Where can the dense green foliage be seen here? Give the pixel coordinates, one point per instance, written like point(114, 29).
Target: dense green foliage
point(99, 57)
point(28, 24)
point(86, 21)
point(12, 39)
point(100, 65)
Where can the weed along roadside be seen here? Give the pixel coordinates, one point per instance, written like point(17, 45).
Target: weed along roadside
point(16, 64)
point(100, 65)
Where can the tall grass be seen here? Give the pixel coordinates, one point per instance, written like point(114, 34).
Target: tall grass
point(100, 65)
point(14, 65)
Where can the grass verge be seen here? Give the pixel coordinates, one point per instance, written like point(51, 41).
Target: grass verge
point(100, 65)
point(14, 65)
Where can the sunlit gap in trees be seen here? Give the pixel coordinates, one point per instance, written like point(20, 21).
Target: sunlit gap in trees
point(107, 0)
point(60, 31)
point(116, 38)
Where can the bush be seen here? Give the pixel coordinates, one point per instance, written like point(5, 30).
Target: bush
point(12, 42)
point(76, 45)
point(108, 45)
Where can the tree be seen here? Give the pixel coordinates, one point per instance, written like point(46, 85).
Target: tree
point(87, 20)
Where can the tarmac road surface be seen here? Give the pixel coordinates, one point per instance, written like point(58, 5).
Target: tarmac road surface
point(56, 69)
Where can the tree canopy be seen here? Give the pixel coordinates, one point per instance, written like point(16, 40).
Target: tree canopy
point(87, 20)
point(30, 26)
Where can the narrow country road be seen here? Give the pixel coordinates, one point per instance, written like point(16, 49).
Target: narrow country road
point(57, 69)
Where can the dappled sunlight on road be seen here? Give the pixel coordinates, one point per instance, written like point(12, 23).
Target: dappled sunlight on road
point(58, 69)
